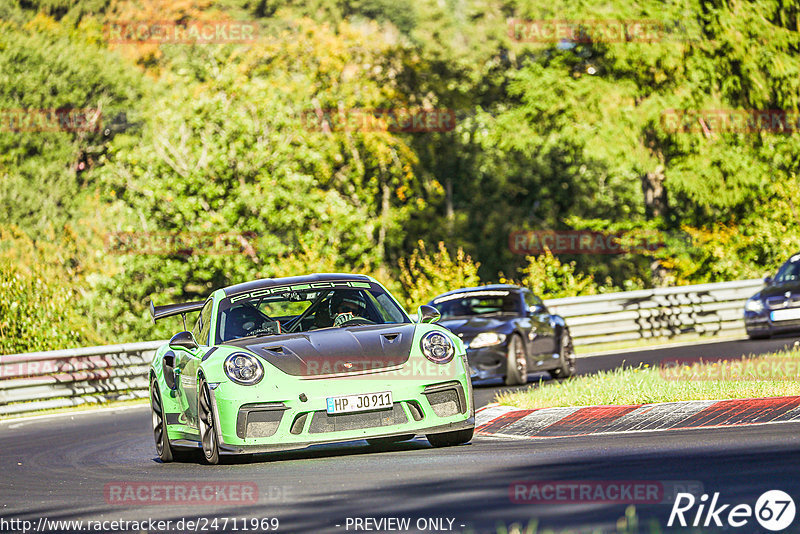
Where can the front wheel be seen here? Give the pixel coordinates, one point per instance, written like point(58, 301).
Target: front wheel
point(208, 433)
point(516, 362)
point(448, 439)
point(566, 354)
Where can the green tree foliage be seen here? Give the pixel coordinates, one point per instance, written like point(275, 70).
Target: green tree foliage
point(39, 308)
point(427, 274)
point(47, 67)
point(245, 139)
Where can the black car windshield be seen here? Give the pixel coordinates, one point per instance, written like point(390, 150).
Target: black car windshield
point(301, 308)
point(789, 271)
point(477, 303)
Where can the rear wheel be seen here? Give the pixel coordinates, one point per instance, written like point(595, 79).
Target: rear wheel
point(566, 353)
point(448, 439)
point(208, 429)
point(516, 362)
point(390, 439)
point(163, 447)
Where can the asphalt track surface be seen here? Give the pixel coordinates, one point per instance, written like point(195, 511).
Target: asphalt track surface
point(61, 468)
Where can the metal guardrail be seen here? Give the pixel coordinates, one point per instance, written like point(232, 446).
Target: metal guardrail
point(670, 312)
point(92, 375)
point(72, 377)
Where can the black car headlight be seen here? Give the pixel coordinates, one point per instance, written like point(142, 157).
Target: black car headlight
point(754, 305)
point(244, 369)
point(437, 347)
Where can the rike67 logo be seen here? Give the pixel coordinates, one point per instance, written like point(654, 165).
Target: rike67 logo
point(774, 510)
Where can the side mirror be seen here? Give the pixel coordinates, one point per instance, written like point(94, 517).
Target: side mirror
point(183, 340)
point(427, 314)
point(768, 279)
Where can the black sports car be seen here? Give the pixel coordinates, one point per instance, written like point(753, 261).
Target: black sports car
point(508, 332)
point(776, 308)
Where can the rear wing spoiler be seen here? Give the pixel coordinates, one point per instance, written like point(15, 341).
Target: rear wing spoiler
point(168, 310)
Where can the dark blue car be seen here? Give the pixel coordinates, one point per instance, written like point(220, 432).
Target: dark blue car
point(508, 332)
point(776, 308)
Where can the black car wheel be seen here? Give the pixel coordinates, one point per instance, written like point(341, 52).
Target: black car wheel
point(167, 452)
point(163, 447)
point(566, 361)
point(516, 362)
point(208, 432)
point(448, 439)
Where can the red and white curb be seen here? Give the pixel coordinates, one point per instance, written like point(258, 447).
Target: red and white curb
point(495, 420)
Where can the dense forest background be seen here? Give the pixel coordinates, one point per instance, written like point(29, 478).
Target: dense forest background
point(215, 139)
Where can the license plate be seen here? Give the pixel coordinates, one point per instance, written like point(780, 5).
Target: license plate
point(785, 315)
point(360, 403)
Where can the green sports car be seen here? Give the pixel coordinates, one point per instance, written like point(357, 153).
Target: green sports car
point(285, 363)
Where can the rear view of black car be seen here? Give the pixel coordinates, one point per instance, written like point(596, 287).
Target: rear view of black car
point(508, 332)
point(776, 308)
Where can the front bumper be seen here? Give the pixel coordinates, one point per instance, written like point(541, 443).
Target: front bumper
point(488, 362)
point(299, 418)
point(761, 324)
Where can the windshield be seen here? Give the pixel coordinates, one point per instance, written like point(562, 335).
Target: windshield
point(290, 309)
point(477, 303)
point(789, 272)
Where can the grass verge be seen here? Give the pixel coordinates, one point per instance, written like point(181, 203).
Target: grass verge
point(769, 375)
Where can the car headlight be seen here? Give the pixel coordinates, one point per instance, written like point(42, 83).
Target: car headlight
point(486, 339)
point(244, 369)
point(754, 305)
point(437, 347)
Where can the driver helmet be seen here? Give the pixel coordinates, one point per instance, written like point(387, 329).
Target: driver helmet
point(348, 301)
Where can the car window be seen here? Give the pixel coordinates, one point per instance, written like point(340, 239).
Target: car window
point(205, 323)
point(477, 303)
point(301, 310)
point(532, 300)
point(789, 271)
point(198, 327)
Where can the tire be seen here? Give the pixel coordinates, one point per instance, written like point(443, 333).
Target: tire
point(449, 439)
point(758, 336)
point(516, 362)
point(566, 362)
point(167, 452)
point(163, 446)
point(207, 424)
point(390, 439)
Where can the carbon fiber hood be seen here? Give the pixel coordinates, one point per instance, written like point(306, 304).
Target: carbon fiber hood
point(335, 351)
